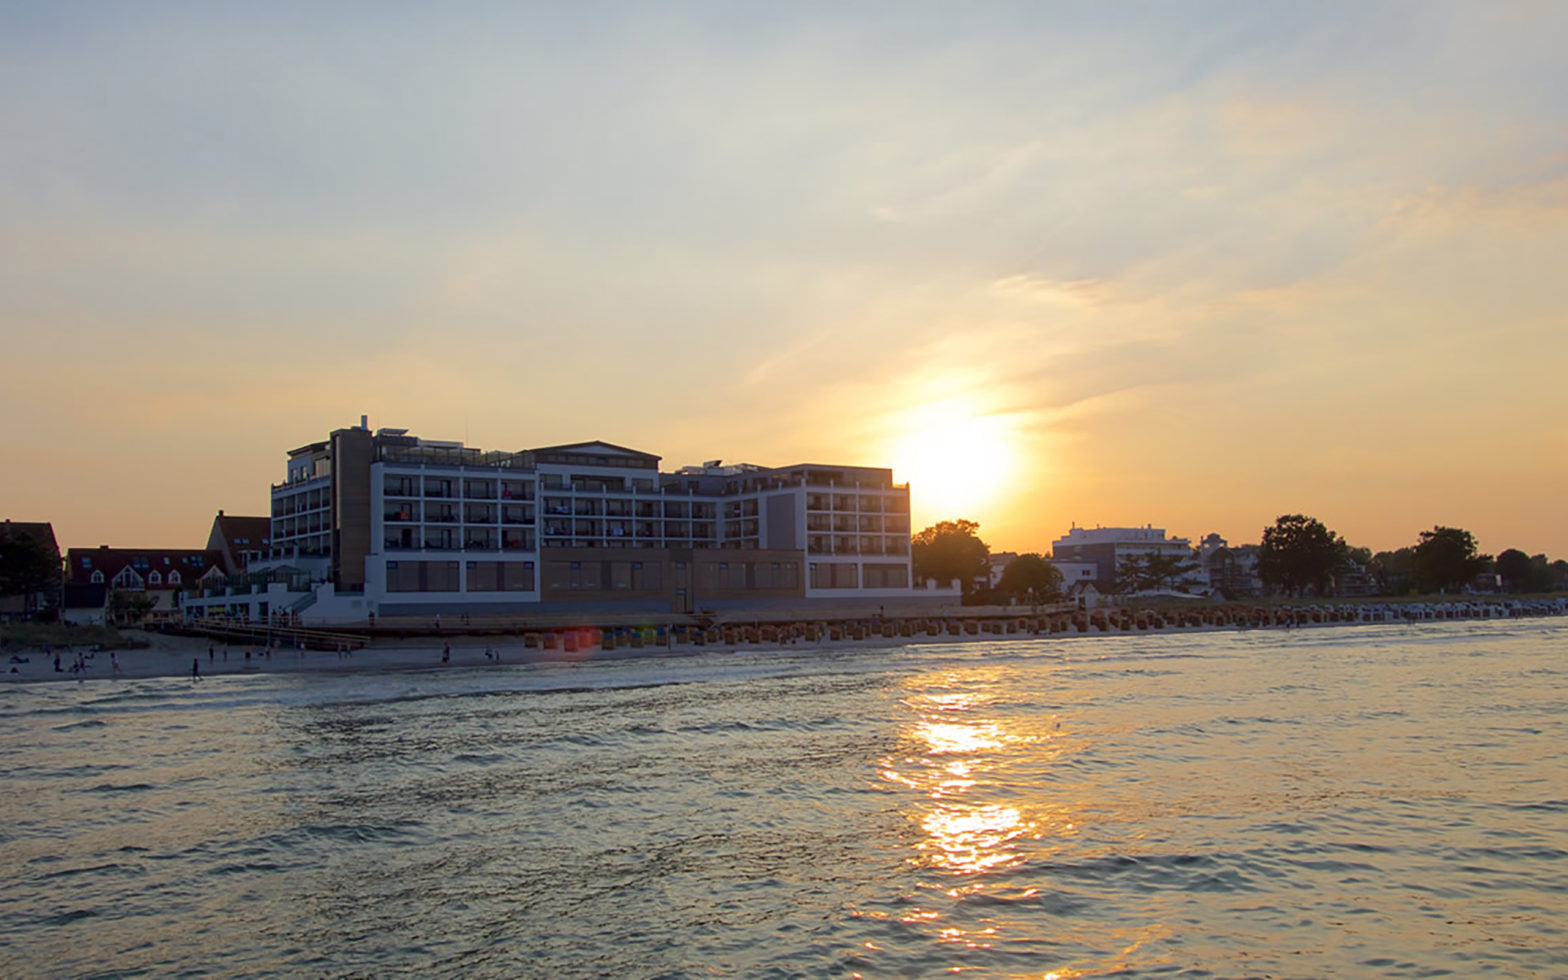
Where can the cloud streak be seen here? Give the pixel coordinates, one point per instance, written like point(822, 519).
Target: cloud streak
point(1164, 245)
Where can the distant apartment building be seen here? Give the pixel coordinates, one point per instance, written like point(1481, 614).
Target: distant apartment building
point(386, 523)
point(1230, 571)
point(1104, 548)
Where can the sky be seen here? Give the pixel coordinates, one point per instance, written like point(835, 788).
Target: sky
point(1194, 265)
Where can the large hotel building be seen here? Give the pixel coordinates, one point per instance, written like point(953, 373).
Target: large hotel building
point(386, 523)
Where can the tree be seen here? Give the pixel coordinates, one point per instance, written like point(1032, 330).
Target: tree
point(1147, 572)
point(1524, 573)
point(1514, 566)
point(1298, 553)
point(129, 606)
point(1446, 558)
point(1033, 578)
point(1395, 571)
point(26, 566)
point(951, 550)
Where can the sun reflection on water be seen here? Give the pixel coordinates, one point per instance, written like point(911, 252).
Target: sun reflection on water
point(977, 824)
point(972, 840)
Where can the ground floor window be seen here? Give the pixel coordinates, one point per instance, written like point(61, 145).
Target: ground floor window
point(825, 575)
point(884, 575)
point(422, 576)
point(500, 576)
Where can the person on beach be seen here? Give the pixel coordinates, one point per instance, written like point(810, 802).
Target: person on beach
point(195, 668)
point(209, 653)
point(114, 662)
point(446, 653)
point(57, 663)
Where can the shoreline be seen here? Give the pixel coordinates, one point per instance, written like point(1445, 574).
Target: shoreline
point(172, 656)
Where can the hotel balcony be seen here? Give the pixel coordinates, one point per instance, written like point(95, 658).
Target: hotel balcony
point(480, 539)
point(479, 489)
point(440, 539)
point(403, 539)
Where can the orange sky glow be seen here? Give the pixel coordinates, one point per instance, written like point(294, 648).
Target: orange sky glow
point(1049, 266)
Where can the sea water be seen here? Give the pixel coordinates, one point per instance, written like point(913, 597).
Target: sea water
point(1355, 800)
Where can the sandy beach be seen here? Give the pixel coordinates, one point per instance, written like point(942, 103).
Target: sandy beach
point(175, 656)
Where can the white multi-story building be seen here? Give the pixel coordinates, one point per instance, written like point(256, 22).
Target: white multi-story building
point(387, 523)
point(1105, 548)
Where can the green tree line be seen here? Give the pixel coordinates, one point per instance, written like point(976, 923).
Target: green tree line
point(1298, 556)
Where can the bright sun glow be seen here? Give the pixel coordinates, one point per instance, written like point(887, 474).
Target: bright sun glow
point(955, 459)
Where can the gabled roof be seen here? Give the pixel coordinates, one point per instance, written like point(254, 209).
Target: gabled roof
point(190, 563)
point(584, 452)
point(40, 531)
point(232, 536)
point(243, 530)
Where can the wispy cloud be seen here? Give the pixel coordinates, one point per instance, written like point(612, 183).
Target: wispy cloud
point(1199, 259)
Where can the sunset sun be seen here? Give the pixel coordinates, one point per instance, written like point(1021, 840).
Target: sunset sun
point(955, 460)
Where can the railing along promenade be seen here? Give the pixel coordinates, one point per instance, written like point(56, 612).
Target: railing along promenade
point(233, 630)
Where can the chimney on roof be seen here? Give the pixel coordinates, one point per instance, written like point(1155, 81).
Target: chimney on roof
point(220, 511)
point(364, 422)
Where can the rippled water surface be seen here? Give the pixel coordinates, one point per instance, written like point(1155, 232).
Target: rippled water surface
point(1370, 800)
